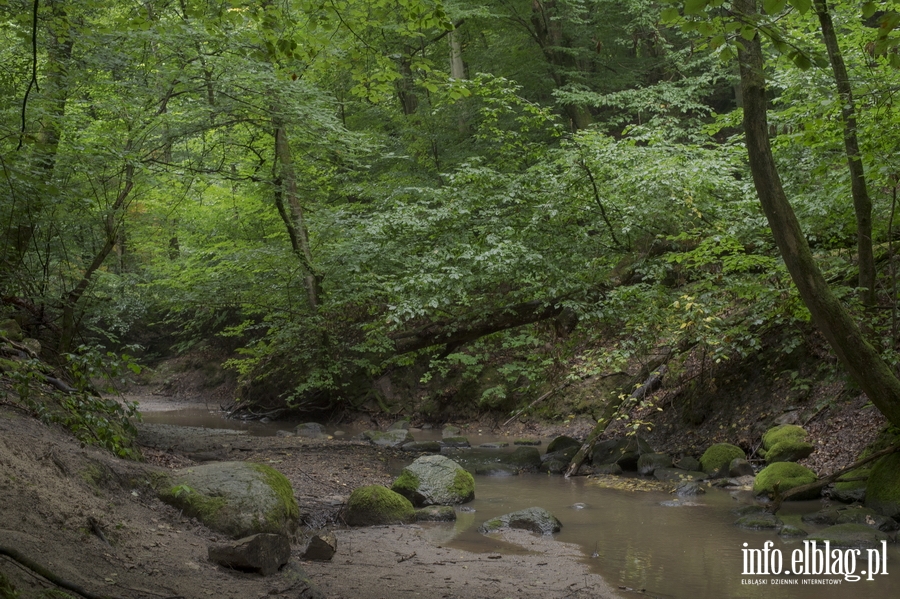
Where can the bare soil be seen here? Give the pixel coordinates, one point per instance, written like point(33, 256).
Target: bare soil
point(93, 520)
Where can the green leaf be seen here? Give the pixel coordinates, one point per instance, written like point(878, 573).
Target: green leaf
point(748, 33)
point(694, 7)
point(801, 60)
point(801, 5)
point(669, 15)
point(773, 7)
point(869, 9)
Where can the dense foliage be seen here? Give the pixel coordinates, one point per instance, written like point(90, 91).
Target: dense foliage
point(337, 189)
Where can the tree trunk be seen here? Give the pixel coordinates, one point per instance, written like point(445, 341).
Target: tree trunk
point(111, 229)
point(294, 218)
point(549, 34)
point(862, 204)
point(864, 364)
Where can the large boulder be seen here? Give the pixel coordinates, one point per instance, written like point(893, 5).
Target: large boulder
point(236, 498)
point(716, 460)
point(373, 505)
point(557, 462)
point(649, 462)
point(786, 475)
point(435, 480)
point(262, 553)
point(535, 519)
point(563, 442)
point(786, 443)
point(624, 451)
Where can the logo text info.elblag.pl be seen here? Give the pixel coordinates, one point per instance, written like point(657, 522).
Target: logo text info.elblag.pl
point(815, 559)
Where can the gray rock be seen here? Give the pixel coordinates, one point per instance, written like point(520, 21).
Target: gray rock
point(527, 442)
point(602, 469)
point(689, 488)
point(562, 442)
point(677, 474)
point(235, 498)
point(850, 535)
point(740, 467)
point(450, 431)
point(535, 519)
point(623, 451)
point(435, 480)
point(400, 425)
point(395, 438)
point(688, 463)
point(827, 516)
point(500, 445)
point(558, 461)
point(263, 553)
point(854, 495)
point(455, 442)
point(310, 430)
point(436, 513)
point(759, 521)
point(422, 447)
point(284, 434)
point(321, 547)
point(649, 462)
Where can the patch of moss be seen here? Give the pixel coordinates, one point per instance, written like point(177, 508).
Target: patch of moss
point(93, 475)
point(406, 484)
point(716, 459)
point(282, 487)
point(194, 504)
point(853, 484)
point(8, 365)
point(789, 450)
point(787, 475)
point(375, 504)
point(54, 594)
point(463, 485)
point(883, 486)
point(783, 433)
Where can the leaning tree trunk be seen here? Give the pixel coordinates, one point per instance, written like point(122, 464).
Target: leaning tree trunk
point(864, 364)
point(862, 204)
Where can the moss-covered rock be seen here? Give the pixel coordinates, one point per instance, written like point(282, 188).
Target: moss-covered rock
point(535, 519)
point(883, 486)
point(786, 475)
point(237, 498)
point(781, 433)
point(759, 521)
point(375, 504)
point(850, 535)
point(435, 480)
point(850, 491)
point(716, 460)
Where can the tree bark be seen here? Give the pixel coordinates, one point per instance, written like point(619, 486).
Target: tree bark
point(294, 218)
point(861, 360)
point(862, 204)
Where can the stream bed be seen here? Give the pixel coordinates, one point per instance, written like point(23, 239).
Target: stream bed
point(641, 540)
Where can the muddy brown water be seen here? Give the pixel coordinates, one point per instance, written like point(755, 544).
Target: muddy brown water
point(646, 541)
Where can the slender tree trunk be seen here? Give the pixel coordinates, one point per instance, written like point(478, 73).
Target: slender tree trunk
point(292, 215)
point(111, 230)
point(549, 34)
point(864, 364)
point(861, 201)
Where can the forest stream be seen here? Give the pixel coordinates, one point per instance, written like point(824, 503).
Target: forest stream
point(650, 542)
